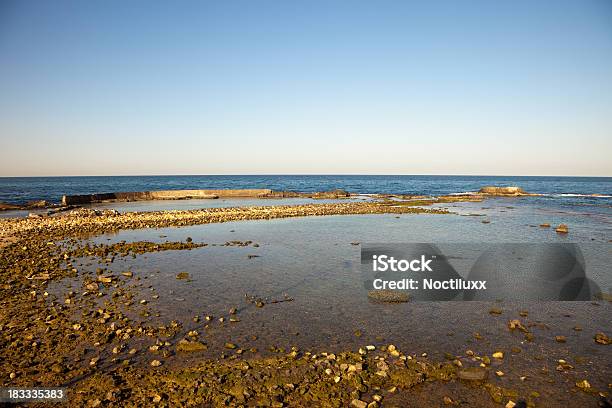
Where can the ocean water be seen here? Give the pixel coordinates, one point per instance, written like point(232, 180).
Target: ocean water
point(572, 190)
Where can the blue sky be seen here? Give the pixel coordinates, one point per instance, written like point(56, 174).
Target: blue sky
point(288, 87)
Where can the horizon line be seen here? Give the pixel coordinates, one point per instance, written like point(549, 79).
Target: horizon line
point(302, 175)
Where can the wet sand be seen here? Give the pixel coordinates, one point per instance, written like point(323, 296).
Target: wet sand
point(95, 313)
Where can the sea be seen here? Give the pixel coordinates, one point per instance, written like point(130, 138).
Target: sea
point(570, 190)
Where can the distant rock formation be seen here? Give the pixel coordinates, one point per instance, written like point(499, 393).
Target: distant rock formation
point(338, 193)
point(7, 206)
point(503, 191)
point(161, 195)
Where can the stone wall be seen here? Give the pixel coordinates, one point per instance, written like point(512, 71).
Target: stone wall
point(162, 195)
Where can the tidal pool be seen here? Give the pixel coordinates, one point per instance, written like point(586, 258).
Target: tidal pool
point(306, 272)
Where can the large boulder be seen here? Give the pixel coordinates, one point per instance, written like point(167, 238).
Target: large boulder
point(502, 191)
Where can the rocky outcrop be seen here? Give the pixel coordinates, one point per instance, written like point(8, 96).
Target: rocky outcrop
point(6, 206)
point(503, 191)
point(321, 194)
point(161, 195)
point(280, 194)
point(28, 206)
point(331, 194)
point(38, 204)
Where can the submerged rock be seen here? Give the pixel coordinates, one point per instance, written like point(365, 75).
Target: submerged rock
point(473, 374)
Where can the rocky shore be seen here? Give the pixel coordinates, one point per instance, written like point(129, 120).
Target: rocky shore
point(70, 201)
point(97, 340)
point(89, 221)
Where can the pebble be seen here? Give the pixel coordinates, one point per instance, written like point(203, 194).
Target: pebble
point(601, 338)
point(472, 374)
point(359, 404)
point(182, 275)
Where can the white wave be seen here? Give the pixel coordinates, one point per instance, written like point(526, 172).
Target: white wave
point(579, 195)
point(464, 193)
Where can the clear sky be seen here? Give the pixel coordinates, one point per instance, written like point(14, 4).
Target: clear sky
point(306, 87)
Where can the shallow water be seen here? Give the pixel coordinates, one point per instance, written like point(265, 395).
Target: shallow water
point(312, 262)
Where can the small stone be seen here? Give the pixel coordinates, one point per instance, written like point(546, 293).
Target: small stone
point(601, 338)
point(562, 229)
point(155, 363)
point(560, 339)
point(510, 404)
point(584, 384)
point(499, 373)
point(182, 275)
point(359, 404)
point(495, 311)
point(498, 354)
point(230, 346)
point(448, 400)
point(92, 287)
point(517, 325)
